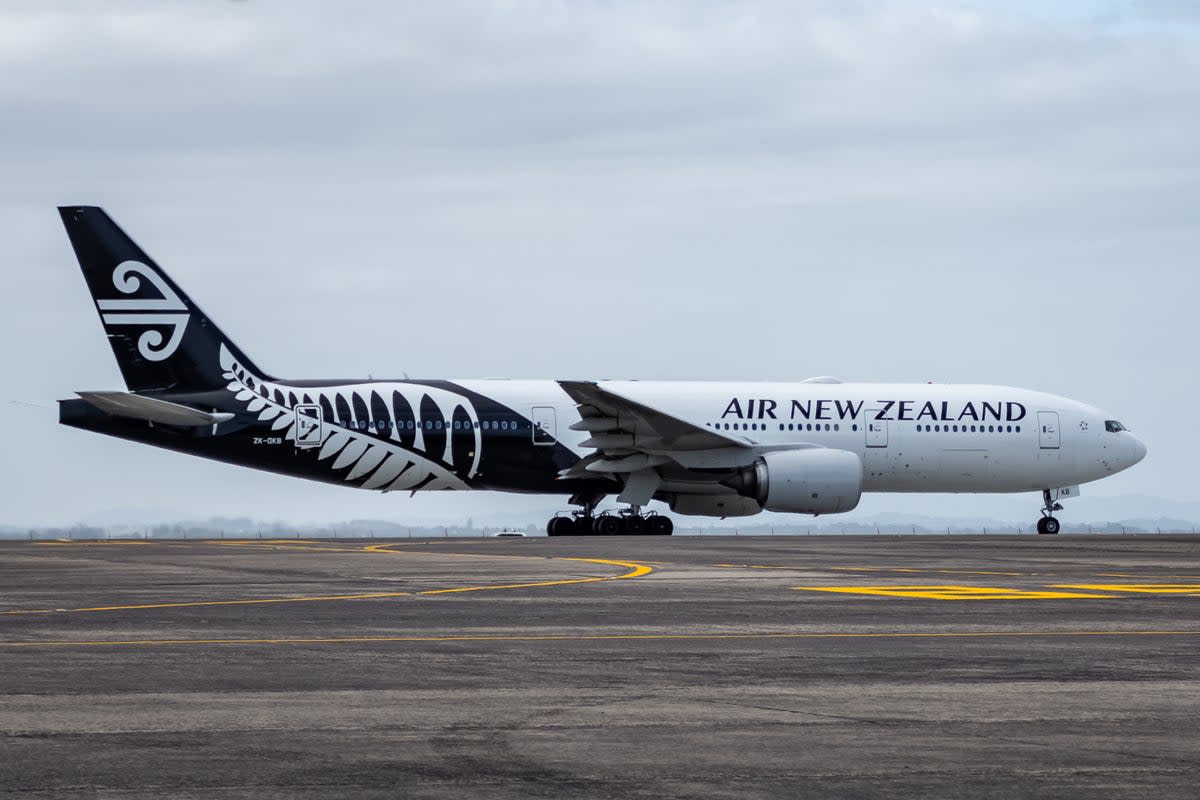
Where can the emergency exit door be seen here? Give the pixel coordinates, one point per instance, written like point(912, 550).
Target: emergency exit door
point(544, 425)
point(1048, 430)
point(877, 430)
point(310, 428)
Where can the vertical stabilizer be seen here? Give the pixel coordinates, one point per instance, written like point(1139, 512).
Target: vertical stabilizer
point(161, 339)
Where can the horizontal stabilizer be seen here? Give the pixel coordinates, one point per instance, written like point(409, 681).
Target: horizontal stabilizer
point(136, 406)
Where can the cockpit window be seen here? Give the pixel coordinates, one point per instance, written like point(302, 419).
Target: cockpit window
point(1112, 426)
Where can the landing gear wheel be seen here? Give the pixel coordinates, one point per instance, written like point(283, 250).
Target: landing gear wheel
point(1048, 524)
point(633, 525)
point(660, 526)
point(560, 526)
point(606, 526)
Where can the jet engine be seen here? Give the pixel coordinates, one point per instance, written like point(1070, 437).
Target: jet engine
point(714, 505)
point(808, 481)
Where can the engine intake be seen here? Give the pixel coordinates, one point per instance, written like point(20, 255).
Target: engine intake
point(809, 481)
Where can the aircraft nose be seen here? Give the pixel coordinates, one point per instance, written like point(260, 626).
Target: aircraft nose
point(1138, 450)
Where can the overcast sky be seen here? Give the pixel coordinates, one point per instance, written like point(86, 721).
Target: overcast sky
point(962, 192)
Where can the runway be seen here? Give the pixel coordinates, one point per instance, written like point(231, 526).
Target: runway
point(825, 667)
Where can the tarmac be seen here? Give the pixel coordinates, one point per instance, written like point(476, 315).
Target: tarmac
point(632, 667)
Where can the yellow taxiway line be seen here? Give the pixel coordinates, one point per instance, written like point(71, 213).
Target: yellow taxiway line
point(614, 637)
point(1188, 589)
point(634, 570)
point(256, 601)
point(1079, 591)
point(955, 592)
point(819, 568)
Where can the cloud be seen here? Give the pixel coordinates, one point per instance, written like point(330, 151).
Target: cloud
point(968, 191)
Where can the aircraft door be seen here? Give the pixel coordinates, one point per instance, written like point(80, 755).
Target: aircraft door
point(1048, 430)
point(877, 430)
point(877, 466)
point(310, 430)
point(545, 427)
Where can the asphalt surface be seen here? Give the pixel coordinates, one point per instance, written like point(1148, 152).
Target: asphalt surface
point(824, 667)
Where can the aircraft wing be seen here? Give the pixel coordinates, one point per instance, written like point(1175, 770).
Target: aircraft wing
point(632, 441)
point(618, 423)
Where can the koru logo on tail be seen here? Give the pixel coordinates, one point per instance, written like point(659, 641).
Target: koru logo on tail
point(154, 313)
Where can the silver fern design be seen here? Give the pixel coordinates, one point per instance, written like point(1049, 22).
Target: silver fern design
point(386, 436)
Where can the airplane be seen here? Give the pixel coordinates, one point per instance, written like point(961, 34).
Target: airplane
point(709, 449)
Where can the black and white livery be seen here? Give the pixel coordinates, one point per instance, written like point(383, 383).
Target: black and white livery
point(707, 449)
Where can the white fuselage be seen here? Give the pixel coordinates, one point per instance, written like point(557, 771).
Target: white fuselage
point(910, 437)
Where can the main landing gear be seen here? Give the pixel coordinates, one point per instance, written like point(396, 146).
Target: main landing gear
point(626, 523)
point(1048, 524)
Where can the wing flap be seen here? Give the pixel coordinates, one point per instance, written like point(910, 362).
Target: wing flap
point(650, 428)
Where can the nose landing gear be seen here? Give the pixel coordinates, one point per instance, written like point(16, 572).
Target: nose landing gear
point(1048, 524)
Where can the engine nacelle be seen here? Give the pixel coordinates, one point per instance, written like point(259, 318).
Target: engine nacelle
point(809, 481)
point(714, 505)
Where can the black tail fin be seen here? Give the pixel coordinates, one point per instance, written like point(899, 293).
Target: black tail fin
point(162, 340)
